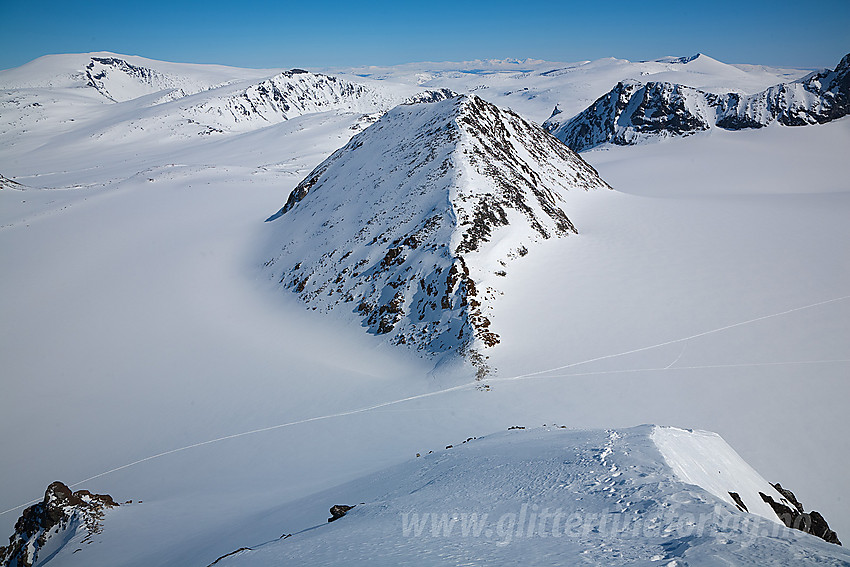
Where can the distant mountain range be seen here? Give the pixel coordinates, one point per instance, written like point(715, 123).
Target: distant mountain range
point(633, 112)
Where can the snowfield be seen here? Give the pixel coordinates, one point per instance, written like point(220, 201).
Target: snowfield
point(146, 352)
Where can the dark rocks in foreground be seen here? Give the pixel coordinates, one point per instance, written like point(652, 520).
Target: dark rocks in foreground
point(809, 522)
point(62, 510)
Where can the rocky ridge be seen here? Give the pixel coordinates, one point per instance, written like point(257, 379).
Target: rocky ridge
point(45, 527)
point(633, 111)
point(410, 225)
point(292, 93)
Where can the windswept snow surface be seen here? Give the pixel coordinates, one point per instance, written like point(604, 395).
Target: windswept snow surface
point(549, 497)
point(704, 459)
point(710, 290)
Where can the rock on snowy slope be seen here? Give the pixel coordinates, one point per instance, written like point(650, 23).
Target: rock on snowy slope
point(795, 517)
point(634, 111)
point(555, 497)
point(6, 183)
point(44, 528)
point(411, 225)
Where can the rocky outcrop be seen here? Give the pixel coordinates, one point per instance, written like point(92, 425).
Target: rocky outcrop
point(54, 520)
point(809, 522)
point(6, 183)
point(430, 96)
point(338, 511)
point(633, 112)
point(398, 226)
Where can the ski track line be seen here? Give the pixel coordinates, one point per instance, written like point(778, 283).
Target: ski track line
point(699, 367)
point(674, 341)
point(538, 374)
point(678, 358)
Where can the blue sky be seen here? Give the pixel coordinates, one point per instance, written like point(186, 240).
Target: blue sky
point(250, 33)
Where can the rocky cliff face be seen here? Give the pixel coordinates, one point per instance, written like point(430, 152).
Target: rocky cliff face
point(810, 522)
point(412, 224)
point(45, 527)
point(632, 112)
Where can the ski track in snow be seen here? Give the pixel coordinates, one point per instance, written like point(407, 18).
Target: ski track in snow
point(537, 374)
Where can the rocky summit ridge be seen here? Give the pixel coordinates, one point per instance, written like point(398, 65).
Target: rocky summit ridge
point(46, 526)
point(411, 225)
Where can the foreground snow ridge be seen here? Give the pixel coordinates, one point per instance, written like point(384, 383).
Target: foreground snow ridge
point(411, 225)
point(553, 497)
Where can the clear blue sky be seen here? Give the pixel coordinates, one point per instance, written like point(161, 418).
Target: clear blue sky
point(251, 33)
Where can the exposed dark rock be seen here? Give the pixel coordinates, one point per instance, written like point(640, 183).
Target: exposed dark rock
point(738, 501)
point(6, 183)
point(61, 510)
point(338, 511)
point(231, 554)
point(789, 496)
point(430, 96)
point(809, 522)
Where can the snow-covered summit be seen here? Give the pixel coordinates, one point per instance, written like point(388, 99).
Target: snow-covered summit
point(292, 93)
point(554, 497)
point(413, 223)
point(634, 111)
point(121, 77)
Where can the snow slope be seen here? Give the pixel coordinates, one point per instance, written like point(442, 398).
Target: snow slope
point(550, 497)
point(138, 320)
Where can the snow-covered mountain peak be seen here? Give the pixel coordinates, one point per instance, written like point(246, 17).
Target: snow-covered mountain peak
point(288, 94)
point(633, 112)
point(411, 224)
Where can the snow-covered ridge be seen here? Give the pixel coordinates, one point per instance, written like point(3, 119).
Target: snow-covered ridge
point(290, 94)
point(119, 98)
point(413, 222)
point(550, 497)
point(633, 111)
point(704, 459)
